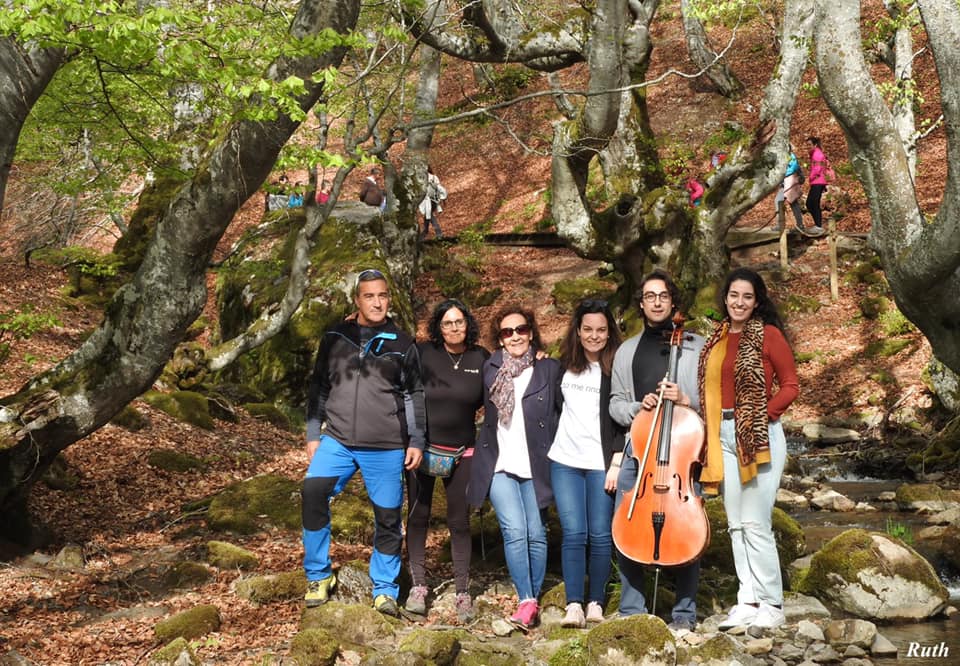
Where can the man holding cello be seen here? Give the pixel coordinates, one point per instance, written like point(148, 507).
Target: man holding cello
point(639, 382)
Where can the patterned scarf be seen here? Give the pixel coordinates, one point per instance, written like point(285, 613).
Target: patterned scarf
point(750, 402)
point(501, 391)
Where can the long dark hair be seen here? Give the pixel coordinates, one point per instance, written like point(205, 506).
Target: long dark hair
point(765, 309)
point(815, 140)
point(572, 356)
point(515, 308)
point(433, 326)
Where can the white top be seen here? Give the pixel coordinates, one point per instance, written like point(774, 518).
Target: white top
point(514, 457)
point(577, 442)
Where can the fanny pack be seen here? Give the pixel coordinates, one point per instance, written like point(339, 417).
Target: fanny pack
point(440, 460)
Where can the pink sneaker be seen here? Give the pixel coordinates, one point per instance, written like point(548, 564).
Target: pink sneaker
point(526, 615)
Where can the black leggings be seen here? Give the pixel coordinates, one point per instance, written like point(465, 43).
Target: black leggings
point(813, 203)
point(420, 499)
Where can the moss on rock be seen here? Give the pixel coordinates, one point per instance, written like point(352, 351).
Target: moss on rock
point(187, 406)
point(130, 418)
point(225, 555)
point(267, 411)
point(177, 652)
point(274, 587)
point(186, 575)
point(573, 653)
point(189, 624)
point(556, 596)
point(436, 646)
point(169, 460)
point(314, 647)
point(354, 623)
point(638, 639)
point(249, 505)
point(567, 293)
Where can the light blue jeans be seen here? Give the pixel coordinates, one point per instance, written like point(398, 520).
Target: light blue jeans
point(524, 534)
point(585, 510)
point(749, 508)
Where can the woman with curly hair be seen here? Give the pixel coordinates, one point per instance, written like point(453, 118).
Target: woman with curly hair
point(742, 360)
point(521, 412)
point(451, 363)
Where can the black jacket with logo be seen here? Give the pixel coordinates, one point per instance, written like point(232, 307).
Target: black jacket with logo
point(368, 395)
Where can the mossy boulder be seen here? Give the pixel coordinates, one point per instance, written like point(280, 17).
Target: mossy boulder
point(556, 596)
point(573, 653)
point(926, 497)
point(874, 576)
point(439, 647)
point(719, 649)
point(494, 653)
point(187, 406)
point(256, 503)
point(60, 476)
point(189, 624)
point(273, 587)
point(353, 623)
point(130, 418)
point(788, 533)
point(886, 347)
point(177, 652)
point(642, 640)
point(314, 647)
point(225, 555)
point(169, 460)
point(351, 514)
point(267, 411)
point(186, 575)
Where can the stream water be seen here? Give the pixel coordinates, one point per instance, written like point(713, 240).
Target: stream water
point(940, 637)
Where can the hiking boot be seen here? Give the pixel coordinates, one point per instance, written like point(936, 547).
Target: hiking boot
point(594, 612)
point(574, 617)
point(740, 615)
point(464, 606)
point(526, 615)
point(768, 617)
point(386, 605)
point(417, 600)
point(318, 591)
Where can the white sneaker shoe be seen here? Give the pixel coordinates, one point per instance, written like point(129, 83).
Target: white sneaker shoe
point(594, 612)
point(768, 617)
point(574, 617)
point(740, 615)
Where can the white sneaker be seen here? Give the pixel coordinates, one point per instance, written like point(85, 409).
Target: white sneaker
point(594, 612)
point(574, 617)
point(768, 617)
point(740, 615)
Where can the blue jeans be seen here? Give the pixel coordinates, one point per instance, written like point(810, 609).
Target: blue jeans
point(332, 466)
point(524, 534)
point(632, 574)
point(585, 510)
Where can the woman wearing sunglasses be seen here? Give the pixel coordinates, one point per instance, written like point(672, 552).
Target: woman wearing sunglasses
point(510, 464)
point(581, 456)
point(450, 364)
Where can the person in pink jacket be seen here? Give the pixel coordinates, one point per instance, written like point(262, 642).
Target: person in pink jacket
point(818, 181)
point(695, 188)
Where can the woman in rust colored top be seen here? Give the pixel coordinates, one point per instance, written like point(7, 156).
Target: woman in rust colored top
point(743, 359)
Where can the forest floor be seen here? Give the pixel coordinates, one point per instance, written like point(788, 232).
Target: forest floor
point(127, 516)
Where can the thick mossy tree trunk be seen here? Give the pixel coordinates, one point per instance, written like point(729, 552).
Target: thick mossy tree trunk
point(919, 254)
point(150, 315)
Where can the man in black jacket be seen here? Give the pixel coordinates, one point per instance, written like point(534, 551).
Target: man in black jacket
point(367, 395)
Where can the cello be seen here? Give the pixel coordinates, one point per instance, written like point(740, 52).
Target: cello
point(662, 521)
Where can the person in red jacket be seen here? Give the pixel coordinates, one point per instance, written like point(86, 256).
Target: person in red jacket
point(695, 188)
point(742, 360)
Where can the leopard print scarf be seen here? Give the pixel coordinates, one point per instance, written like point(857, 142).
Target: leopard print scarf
point(750, 401)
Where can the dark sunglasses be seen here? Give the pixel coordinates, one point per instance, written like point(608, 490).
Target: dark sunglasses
point(522, 329)
point(370, 274)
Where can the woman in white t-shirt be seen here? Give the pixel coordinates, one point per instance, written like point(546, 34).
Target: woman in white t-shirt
point(580, 459)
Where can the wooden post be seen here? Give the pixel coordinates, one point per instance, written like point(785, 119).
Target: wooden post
point(782, 226)
point(834, 275)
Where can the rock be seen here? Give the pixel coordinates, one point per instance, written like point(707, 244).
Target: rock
point(856, 661)
point(501, 627)
point(821, 653)
point(831, 500)
point(225, 555)
point(818, 432)
point(350, 623)
point(189, 624)
point(950, 611)
point(787, 500)
point(809, 632)
point(863, 507)
point(854, 651)
point(798, 568)
point(808, 482)
point(926, 498)
point(759, 646)
point(790, 653)
point(882, 647)
point(639, 640)
point(887, 496)
point(800, 606)
point(949, 516)
point(851, 632)
point(871, 575)
point(69, 557)
point(177, 652)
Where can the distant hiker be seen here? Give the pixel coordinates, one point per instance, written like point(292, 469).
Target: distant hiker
point(717, 159)
point(370, 192)
point(430, 207)
point(295, 200)
point(695, 188)
point(323, 194)
point(790, 192)
point(820, 173)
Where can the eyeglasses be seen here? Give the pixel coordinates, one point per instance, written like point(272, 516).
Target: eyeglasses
point(522, 329)
point(452, 323)
point(652, 296)
point(370, 274)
